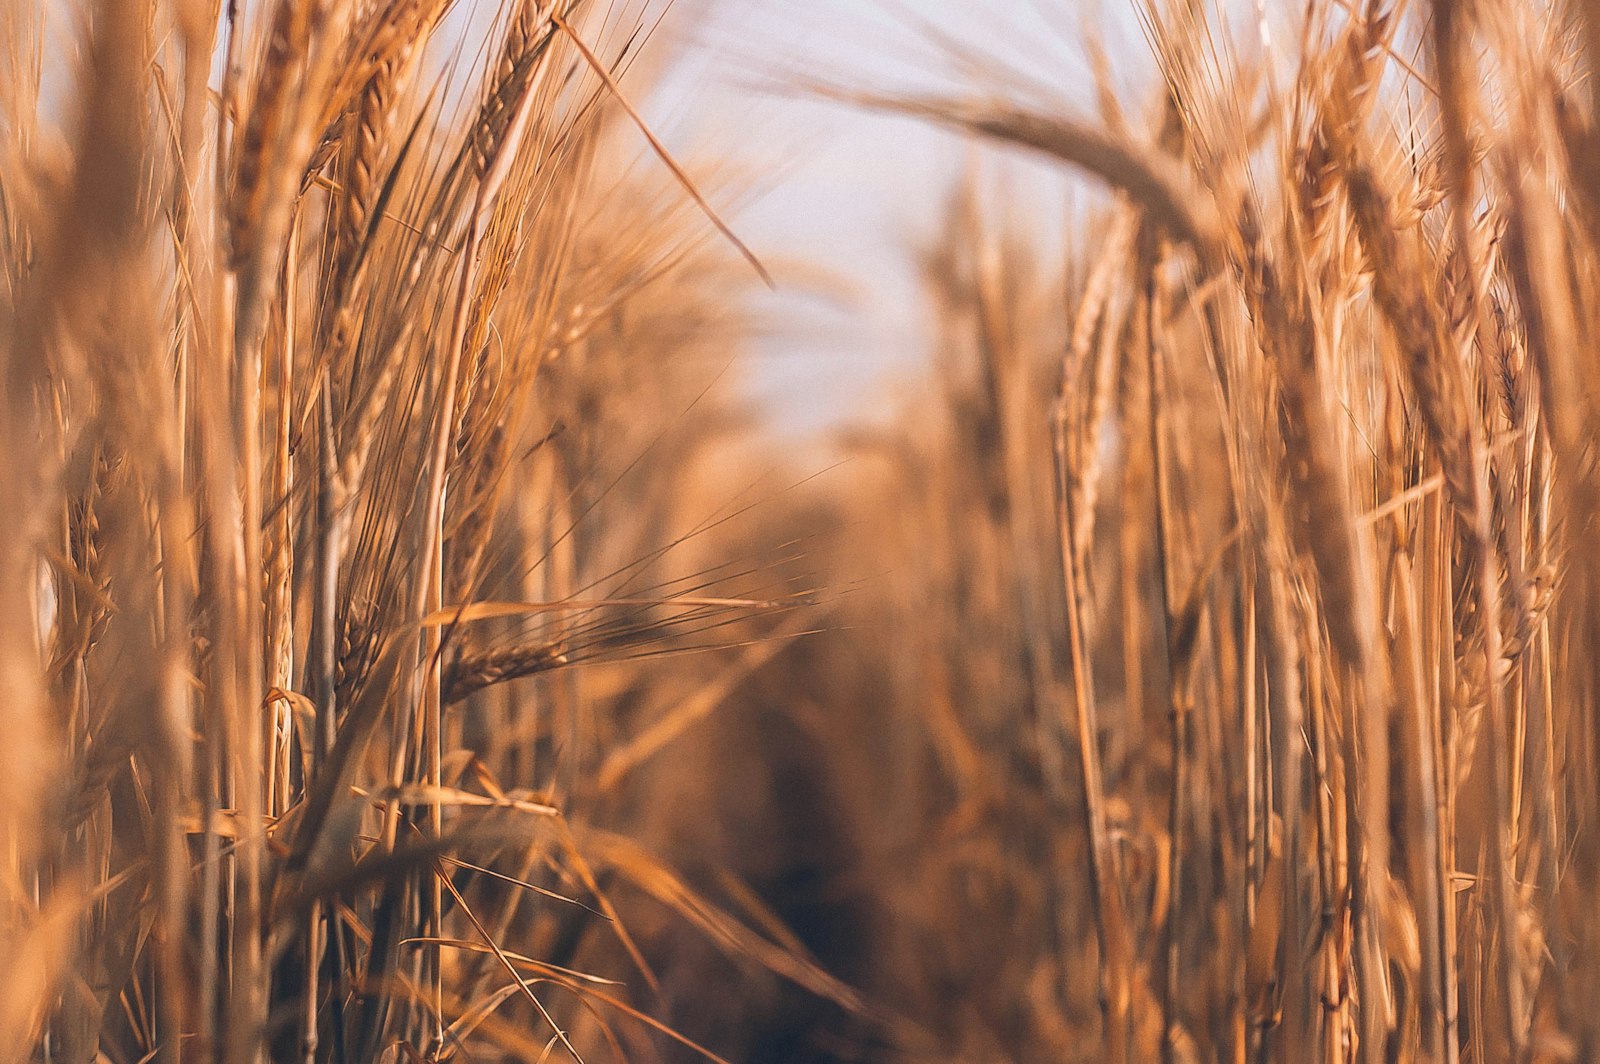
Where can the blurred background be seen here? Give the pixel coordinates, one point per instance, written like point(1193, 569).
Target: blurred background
point(841, 201)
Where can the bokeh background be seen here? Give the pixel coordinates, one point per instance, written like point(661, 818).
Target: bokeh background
point(841, 201)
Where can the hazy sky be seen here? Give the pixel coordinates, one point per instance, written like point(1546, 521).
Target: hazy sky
point(854, 195)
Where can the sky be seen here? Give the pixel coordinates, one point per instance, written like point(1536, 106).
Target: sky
point(838, 201)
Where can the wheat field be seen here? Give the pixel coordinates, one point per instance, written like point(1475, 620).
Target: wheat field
point(415, 646)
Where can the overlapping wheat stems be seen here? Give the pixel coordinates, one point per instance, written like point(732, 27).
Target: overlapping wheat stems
point(1353, 333)
point(281, 293)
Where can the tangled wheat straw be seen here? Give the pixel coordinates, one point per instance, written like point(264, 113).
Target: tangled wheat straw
point(1214, 678)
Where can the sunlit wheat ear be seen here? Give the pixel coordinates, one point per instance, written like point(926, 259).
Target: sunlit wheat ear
point(253, 463)
point(1398, 269)
point(397, 666)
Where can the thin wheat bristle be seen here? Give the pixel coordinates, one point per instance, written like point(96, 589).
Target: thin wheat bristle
point(420, 642)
